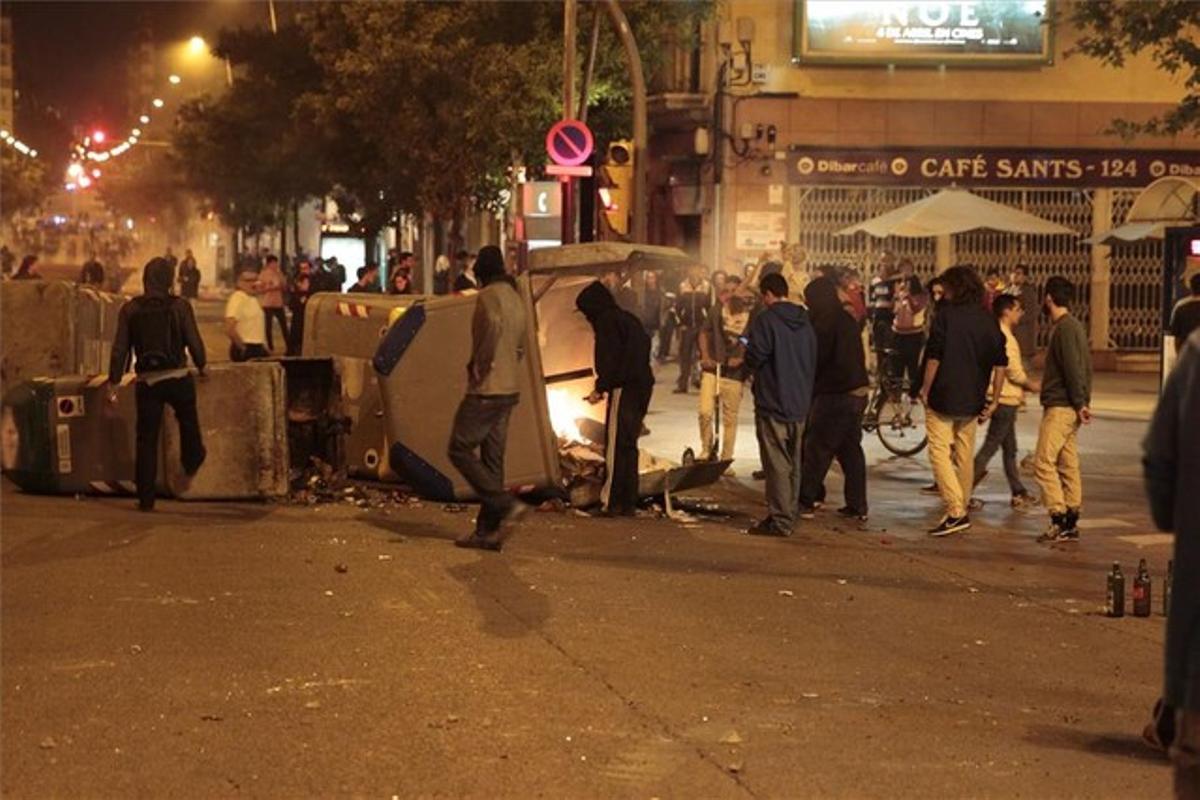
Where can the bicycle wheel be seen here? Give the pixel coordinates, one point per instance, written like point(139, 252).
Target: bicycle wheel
point(901, 425)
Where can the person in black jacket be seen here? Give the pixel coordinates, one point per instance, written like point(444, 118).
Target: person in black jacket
point(840, 390)
point(622, 364)
point(158, 328)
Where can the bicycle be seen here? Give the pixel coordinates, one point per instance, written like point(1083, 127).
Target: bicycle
point(897, 418)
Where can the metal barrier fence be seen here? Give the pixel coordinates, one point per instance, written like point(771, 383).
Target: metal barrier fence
point(1134, 321)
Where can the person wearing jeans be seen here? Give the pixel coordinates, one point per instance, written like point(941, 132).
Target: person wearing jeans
point(1002, 430)
point(271, 284)
point(781, 351)
point(965, 350)
point(840, 389)
point(498, 328)
point(1066, 397)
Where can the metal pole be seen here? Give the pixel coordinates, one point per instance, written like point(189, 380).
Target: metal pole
point(637, 78)
point(591, 65)
point(568, 183)
point(271, 9)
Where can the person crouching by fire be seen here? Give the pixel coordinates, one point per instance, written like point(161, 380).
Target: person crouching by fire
point(623, 375)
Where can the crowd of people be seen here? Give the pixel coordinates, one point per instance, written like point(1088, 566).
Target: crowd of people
point(808, 341)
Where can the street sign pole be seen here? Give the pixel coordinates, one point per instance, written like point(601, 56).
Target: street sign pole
point(568, 182)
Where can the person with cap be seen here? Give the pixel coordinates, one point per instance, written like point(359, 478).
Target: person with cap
point(480, 434)
point(624, 377)
point(160, 330)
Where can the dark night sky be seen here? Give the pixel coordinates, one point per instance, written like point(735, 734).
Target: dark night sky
point(73, 55)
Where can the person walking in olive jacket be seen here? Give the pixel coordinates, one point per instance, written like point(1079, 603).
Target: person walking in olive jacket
point(1066, 397)
point(480, 434)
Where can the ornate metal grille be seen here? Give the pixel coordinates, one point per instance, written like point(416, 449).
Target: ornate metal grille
point(821, 210)
point(1135, 293)
point(1043, 256)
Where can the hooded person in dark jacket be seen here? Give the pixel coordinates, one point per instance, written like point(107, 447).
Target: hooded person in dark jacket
point(840, 390)
point(1171, 464)
point(622, 365)
point(160, 330)
point(781, 350)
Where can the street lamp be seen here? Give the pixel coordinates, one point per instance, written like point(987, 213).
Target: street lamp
point(197, 45)
point(174, 79)
point(144, 119)
point(157, 102)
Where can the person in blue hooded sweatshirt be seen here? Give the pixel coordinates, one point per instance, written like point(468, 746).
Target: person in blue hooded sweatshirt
point(781, 350)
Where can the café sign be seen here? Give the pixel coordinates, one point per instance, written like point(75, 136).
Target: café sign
point(988, 167)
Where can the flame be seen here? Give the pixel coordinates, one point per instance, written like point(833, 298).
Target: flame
point(565, 409)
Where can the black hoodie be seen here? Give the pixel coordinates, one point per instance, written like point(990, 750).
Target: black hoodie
point(841, 364)
point(622, 346)
point(156, 324)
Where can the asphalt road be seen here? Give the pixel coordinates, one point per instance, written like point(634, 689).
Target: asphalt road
point(216, 649)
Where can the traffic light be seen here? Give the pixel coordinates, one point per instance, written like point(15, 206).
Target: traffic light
point(616, 188)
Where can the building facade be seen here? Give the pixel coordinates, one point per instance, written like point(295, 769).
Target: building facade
point(8, 92)
point(794, 119)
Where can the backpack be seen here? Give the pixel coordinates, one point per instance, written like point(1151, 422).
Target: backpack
point(155, 335)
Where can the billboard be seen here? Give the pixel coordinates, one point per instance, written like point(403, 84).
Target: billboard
point(1004, 32)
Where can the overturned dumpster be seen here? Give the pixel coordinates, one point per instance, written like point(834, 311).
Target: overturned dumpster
point(554, 435)
point(63, 435)
point(53, 328)
point(347, 329)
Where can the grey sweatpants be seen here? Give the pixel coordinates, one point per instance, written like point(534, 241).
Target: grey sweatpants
point(779, 448)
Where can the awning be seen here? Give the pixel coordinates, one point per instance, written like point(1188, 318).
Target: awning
point(1166, 203)
point(954, 211)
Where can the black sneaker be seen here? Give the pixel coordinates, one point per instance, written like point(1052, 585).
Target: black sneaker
point(807, 511)
point(950, 525)
point(930, 489)
point(975, 504)
point(765, 527)
point(759, 475)
point(1070, 531)
point(846, 512)
point(478, 540)
point(1056, 528)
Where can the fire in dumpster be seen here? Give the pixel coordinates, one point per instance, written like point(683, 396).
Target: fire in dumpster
point(565, 412)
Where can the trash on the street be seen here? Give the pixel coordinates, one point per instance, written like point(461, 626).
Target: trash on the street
point(786, 593)
point(341, 568)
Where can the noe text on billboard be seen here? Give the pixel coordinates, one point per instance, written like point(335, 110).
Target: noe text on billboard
point(1003, 32)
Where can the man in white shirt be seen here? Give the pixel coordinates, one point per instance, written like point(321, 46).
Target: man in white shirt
point(244, 323)
point(1002, 431)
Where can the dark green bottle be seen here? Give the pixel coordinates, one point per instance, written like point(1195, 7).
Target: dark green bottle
point(1115, 604)
point(1141, 591)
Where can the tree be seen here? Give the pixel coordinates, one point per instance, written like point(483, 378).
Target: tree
point(427, 102)
point(145, 183)
point(25, 183)
point(247, 153)
point(1112, 30)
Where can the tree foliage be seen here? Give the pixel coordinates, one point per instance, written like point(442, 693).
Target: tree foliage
point(24, 182)
point(406, 107)
point(1169, 30)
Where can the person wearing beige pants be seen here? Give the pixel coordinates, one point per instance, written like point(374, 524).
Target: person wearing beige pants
point(730, 392)
point(952, 456)
point(1056, 460)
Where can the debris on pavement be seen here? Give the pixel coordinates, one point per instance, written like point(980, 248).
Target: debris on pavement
point(730, 738)
point(48, 743)
point(454, 508)
point(342, 568)
point(786, 593)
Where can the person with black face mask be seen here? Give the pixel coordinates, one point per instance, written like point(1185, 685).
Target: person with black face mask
point(160, 330)
point(623, 375)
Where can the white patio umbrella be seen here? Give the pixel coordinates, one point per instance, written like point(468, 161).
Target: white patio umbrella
point(953, 211)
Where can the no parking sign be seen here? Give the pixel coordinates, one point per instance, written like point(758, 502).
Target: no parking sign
point(569, 143)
